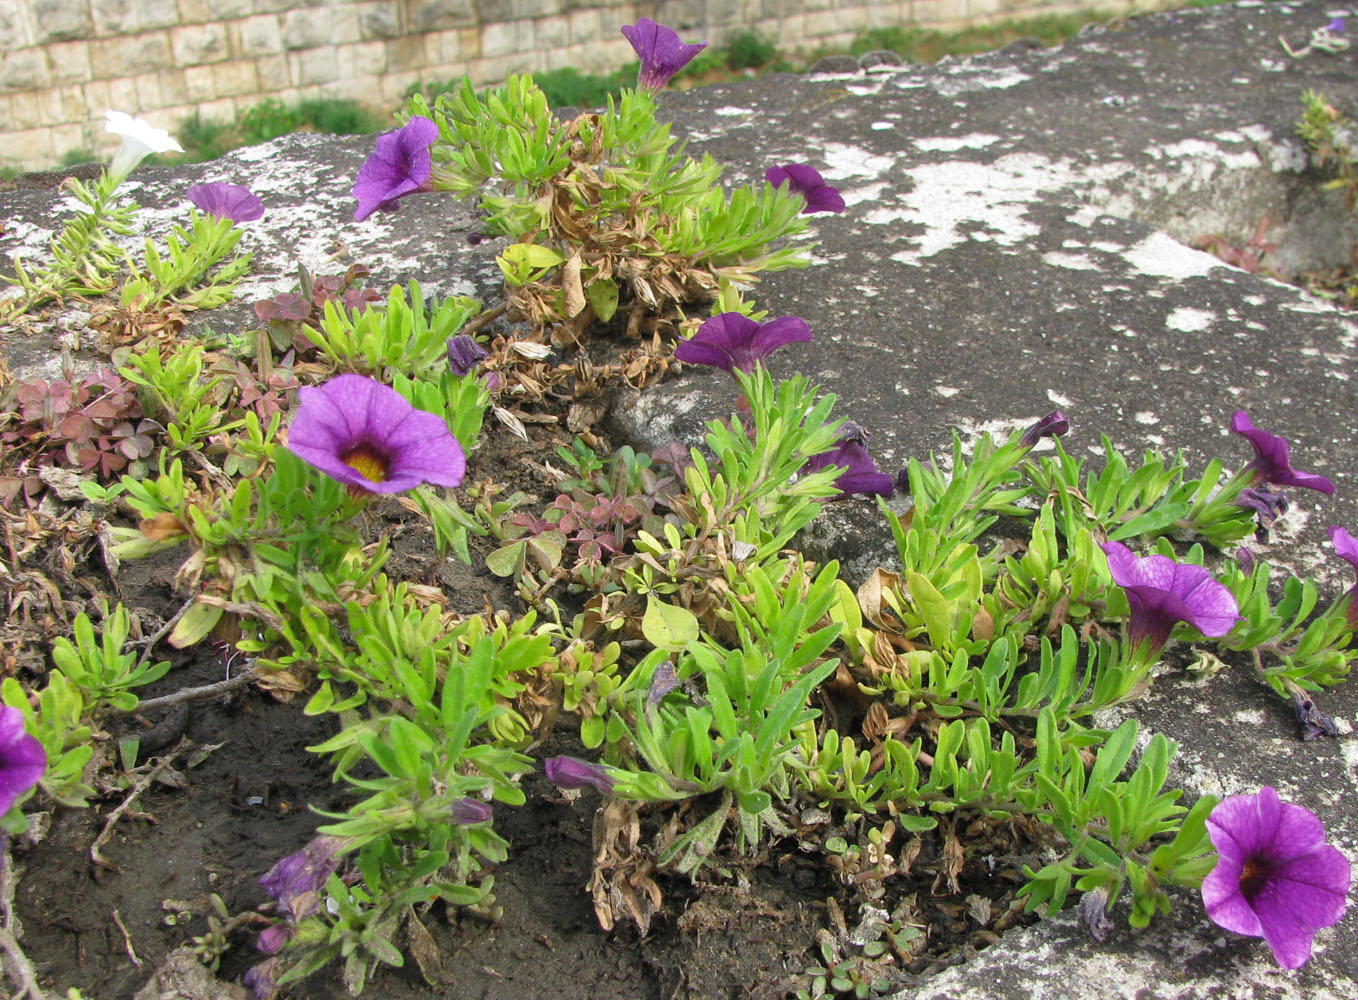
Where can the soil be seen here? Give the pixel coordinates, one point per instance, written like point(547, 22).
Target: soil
point(108, 893)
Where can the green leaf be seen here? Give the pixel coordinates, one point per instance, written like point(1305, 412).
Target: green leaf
point(603, 296)
point(194, 627)
point(667, 626)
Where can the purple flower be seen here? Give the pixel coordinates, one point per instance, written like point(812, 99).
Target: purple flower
point(570, 774)
point(1270, 463)
point(1162, 592)
point(1093, 914)
point(1054, 424)
point(1245, 558)
point(1335, 27)
point(1313, 722)
point(1268, 505)
point(399, 166)
point(464, 354)
point(367, 436)
point(295, 881)
point(226, 201)
point(261, 979)
point(1275, 876)
point(860, 473)
point(660, 51)
point(469, 811)
point(806, 181)
point(1347, 547)
point(733, 340)
point(22, 758)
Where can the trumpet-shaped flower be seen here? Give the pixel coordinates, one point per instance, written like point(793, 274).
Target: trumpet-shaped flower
point(1162, 592)
point(733, 340)
point(1271, 463)
point(1054, 424)
point(571, 774)
point(400, 165)
point(22, 758)
point(660, 51)
point(365, 435)
point(226, 201)
point(466, 812)
point(1347, 547)
point(140, 140)
point(295, 881)
point(806, 181)
point(860, 473)
point(464, 354)
point(1275, 877)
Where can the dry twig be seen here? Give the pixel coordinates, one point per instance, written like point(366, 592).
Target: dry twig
point(142, 784)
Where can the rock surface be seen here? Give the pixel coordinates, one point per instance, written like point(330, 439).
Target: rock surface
point(1016, 240)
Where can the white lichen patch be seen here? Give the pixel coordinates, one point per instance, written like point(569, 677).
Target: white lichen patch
point(1189, 320)
point(1161, 257)
point(842, 161)
point(868, 192)
point(1145, 417)
point(731, 111)
point(946, 391)
point(952, 143)
point(948, 199)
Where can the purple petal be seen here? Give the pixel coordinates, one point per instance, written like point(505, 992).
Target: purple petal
point(227, 201)
point(351, 412)
point(399, 166)
point(469, 811)
point(806, 181)
point(661, 52)
point(22, 758)
point(1161, 592)
point(570, 774)
point(1053, 424)
point(1271, 459)
point(732, 340)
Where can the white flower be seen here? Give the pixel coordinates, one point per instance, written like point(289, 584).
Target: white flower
point(140, 140)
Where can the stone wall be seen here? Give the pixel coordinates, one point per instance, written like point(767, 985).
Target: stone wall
point(66, 61)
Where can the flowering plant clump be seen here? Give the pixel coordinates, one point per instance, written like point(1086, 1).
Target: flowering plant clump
point(1275, 875)
point(656, 609)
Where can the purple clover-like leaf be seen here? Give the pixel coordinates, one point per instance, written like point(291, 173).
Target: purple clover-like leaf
point(1275, 876)
point(1162, 592)
point(1271, 463)
point(860, 473)
point(226, 201)
point(400, 165)
point(732, 340)
point(364, 434)
point(22, 758)
point(661, 53)
point(571, 774)
point(1054, 424)
point(807, 181)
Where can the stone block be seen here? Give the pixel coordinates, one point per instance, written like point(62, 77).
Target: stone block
point(172, 87)
point(157, 14)
point(406, 53)
point(113, 17)
point(491, 71)
point(122, 93)
point(506, 38)
point(225, 10)
point(113, 57)
point(97, 96)
point(25, 69)
point(28, 149)
point(369, 58)
point(514, 10)
point(274, 73)
point(682, 15)
point(24, 112)
point(198, 86)
point(395, 85)
point(221, 110)
point(258, 35)
point(60, 21)
point(235, 78)
point(75, 106)
point(12, 26)
point(314, 66)
point(551, 33)
point(344, 27)
point(306, 28)
point(199, 44)
point(149, 97)
point(193, 12)
point(445, 46)
point(432, 15)
point(585, 26)
point(70, 61)
point(381, 19)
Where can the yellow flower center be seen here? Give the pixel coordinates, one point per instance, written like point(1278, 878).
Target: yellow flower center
point(367, 463)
